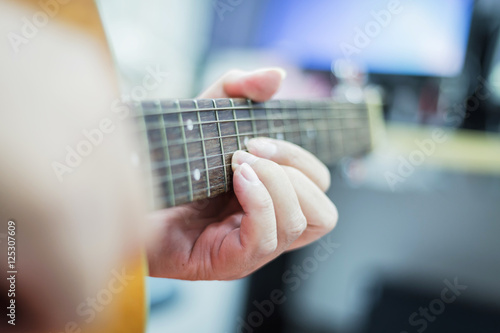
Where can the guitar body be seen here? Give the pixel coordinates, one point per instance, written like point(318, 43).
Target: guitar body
point(58, 80)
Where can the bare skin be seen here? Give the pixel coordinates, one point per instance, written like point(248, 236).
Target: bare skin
point(278, 204)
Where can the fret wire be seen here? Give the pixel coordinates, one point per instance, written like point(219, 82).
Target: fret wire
point(270, 123)
point(204, 149)
point(319, 143)
point(169, 164)
point(331, 141)
point(303, 131)
point(252, 116)
point(286, 123)
point(316, 131)
point(221, 145)
point(304, 120)
point(307, 140)
point(301, 136)
point(327, 143)
point(236, 127)
point(341, 136)
point(281, 110)
point(186, 153)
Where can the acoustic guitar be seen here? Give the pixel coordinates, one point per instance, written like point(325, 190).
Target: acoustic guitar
point(188, 145)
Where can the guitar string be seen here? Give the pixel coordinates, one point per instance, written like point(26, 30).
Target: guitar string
point(289, 117)
point(280, 131)
point(296, 134)
point(179, 175)
point(239, 122)
point(155, 144)
point(173, 108)
point(283, 117)
point(155, 109)
point(159, 165)
point(216, 186)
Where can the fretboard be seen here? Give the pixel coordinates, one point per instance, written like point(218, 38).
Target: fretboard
point(191, 142)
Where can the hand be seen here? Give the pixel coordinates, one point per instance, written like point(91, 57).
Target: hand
point(278, 204)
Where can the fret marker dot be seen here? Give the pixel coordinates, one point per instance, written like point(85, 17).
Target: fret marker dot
point(197, 174)
point(280, 136)
point(189, 125)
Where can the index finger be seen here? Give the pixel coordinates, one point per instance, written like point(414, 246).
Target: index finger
point(286, 153)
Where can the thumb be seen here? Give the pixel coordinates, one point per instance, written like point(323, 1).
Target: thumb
point(258, 85)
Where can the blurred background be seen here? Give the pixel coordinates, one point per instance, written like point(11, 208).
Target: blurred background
point(417, 246)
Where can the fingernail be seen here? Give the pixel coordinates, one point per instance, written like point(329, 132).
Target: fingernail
point(248, 173)
point(262, 147)
point(241, 157)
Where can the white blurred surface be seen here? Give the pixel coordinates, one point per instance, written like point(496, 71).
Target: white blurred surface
point(203, 307)
point(166, 33)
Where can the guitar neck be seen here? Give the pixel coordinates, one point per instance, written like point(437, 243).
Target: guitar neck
point(191, 142)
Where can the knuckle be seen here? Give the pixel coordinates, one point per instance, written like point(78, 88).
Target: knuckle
point(293, 172)
point(265, 204)
point(294, 157)
point(298, 226)
point(267, 246)
point(268, 166)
